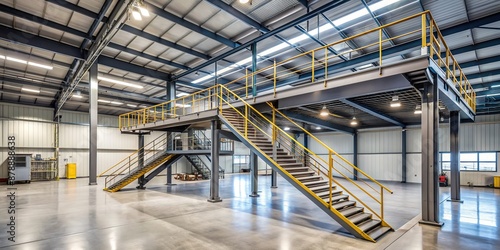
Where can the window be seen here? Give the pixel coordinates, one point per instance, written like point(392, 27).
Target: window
point(472, 161)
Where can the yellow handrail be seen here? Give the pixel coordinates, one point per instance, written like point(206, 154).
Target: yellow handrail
point(205, 99)
point(328, 148)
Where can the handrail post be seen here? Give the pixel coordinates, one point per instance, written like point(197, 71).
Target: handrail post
point(274, 77)
point(424, 31)
point(246, 121)
point(246, 82)
point(382, 203)
point(330, 168)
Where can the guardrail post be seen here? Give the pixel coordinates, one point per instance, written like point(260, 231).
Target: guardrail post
point(274, 77)
point(326, 65)
point(382, 203)
point(423, 50)
point(246, 121)
point(312, 66)
point(330, 169)
point(380, 51)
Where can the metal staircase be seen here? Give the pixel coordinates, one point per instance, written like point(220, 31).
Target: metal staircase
point(310, 174)
point(142, 161)
point(199, 165)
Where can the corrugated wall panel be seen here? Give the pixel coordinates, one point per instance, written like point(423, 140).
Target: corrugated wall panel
point(414, 168)
point(379, 141)
point(341, 143)
point(25, 112)
point(381, 166)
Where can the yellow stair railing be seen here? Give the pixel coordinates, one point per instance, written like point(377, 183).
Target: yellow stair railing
point(129, 164)
point(326, 167)
point(316, 62)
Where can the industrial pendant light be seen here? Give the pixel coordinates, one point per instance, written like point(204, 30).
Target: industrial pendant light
point(418, 110)
point(324, 111)
point(354, 122)
point(395, 102)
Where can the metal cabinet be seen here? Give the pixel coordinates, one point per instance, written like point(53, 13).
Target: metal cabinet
point(23, 167)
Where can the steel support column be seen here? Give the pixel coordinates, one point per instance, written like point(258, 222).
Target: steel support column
point(171, 95)
point(140, 160)
point(254, 69)
point(403, 156)
point(254, 169)
point(455, 155)
point(93, 124)
point(355, 155)
point(430, 151)
point(274, 179)
point(215, 152)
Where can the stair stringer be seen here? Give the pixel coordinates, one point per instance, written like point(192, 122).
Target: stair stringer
point(333, 213)
point(162, 167)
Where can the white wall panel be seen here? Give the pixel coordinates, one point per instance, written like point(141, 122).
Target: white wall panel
point(339, 142)
point(381, 166)
point(379, 141)
point(28, 133)
point(414, 168)
point(13, 111)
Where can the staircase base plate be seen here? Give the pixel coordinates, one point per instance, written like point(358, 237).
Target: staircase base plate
point(254, 195)
point(170, 184)
point(431, 223)
point(140, 187)
point(215, 200)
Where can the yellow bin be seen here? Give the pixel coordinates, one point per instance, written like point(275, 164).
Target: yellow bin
point(496, 181)
point(71, 171)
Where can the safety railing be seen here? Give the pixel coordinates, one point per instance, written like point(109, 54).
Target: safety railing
point(251, 117)
point(133, 162)
point(184, 141)
point(318, 64)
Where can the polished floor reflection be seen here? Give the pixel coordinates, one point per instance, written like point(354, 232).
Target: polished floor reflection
point(69, 214)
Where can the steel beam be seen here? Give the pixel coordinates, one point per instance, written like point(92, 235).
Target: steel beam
point(372, 112)
point(493, 59)
point(17, 36)
point(484, 74)
point(191, 26)
point(455, 155)
point(147, 56)
point(254, 69)
point(430, 153)
point(93, 125)
point(328, 6)
point(254, 176)
point(318, 122)
point(215, 153)
point(298, 27)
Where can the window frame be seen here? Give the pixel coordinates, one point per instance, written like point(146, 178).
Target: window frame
point(477, 162)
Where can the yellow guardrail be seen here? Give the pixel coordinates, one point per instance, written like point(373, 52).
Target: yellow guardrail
point(252, 117)
point(316, 62)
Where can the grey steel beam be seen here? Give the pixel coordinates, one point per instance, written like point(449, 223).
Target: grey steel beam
point(372, 112)
point(328, 6)
point(171, 95)
point(274, 178)
point(455, 155)
point(93, 125)
point(191, 26)
point(318, 122)
point(254, 176)
point(17, 36)
point(430, 153)
point(215, 153)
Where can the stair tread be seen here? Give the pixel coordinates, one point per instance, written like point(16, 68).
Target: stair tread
point(301, 173)
point(360, 217)
point(369, 224)
point(378, 232)
point(314, 189)
point(308, 177)
point(334, 193)
point(351, 211)
point(316, 182)
point(337, 198)
point(343, 204)
point(295, 169)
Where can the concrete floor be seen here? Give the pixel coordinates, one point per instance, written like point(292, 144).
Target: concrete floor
point(69, 214)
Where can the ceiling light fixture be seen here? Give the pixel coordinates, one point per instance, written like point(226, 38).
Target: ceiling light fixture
point(13, 59)
point(180, 105)
point(132, 105)
point(119, 82)
point(395, 102)
point(351, 17)
point(318, 128)
point(181, 94)
point(116, 103)
point(324, 111)
point(136, 15)
point(245, 1)
point(418, 110)
point(104, 101)
point(495, 86)
point(354, 122)
point(286, 128)
point(30, 90)
point(77, 94)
